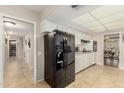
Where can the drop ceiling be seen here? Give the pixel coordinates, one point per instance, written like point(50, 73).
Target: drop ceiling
point(89, 18)
point(104, 18)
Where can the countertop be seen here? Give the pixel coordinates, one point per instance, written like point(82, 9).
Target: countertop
point(83, 53)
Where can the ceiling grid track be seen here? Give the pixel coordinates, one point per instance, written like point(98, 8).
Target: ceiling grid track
point(98, 21)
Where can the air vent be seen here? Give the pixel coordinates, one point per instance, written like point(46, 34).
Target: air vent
point(77, 7)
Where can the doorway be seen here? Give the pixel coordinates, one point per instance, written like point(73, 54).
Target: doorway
point(12, 47)
point(19, 52)
point(111, 50)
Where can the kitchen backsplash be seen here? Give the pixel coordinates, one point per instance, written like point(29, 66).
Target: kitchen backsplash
point(84, 47)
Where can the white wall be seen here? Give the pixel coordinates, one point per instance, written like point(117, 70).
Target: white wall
point(100, 49)
point(6, 50)
point(40, 57)
point(29, 52)
point(19, 48)
point(1, 54)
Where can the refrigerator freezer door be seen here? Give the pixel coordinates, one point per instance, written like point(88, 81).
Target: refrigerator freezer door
point(70, 68)
point(60, 70)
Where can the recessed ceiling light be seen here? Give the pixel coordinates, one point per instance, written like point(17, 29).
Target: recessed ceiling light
point(9, 23)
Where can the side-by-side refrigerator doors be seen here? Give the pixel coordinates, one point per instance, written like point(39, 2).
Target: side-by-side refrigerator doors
point(59, 59)
point(60, 65)
point(70, 64)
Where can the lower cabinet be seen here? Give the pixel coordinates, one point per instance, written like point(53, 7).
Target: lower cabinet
point(78, 63)
point(83, 61)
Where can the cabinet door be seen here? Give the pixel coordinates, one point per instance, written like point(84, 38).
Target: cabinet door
point(47, 26)
point(77, 39)
point(52, 26)
point(90, 59)
point(85, 60)
point(62, 28)
point(82, 59)
point(71, 31)
point(78, 63)
point(93, 61)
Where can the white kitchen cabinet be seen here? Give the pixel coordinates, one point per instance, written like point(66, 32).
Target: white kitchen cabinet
point(63, 28)
point(78, 63)
point(77, 39)
point(83, 61)
point(47, 26)
point(89, 59)
point(72, 31)
point(93, 59)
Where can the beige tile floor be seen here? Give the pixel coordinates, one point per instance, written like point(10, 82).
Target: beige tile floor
point(19, 75)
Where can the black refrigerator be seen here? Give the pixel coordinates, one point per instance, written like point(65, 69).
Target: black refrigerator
point(59, 58)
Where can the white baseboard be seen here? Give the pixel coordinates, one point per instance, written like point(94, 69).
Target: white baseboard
point(40, 80)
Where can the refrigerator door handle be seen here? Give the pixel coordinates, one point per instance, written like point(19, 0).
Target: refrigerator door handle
point(63, 53)
point(66, 48)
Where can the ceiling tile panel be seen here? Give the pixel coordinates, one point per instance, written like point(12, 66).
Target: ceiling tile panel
point(107, 10)
point(116, 23)
point(86, 18)
point(91, 24)
point(98, 29)
point(112, 18)
point(116, 27)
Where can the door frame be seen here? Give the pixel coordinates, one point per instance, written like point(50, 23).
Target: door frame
point(109, 33)
point(35, 44)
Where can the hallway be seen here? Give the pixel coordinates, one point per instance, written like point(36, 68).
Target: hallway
point(18, 73)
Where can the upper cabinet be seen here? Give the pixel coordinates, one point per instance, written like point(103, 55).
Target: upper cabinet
point(47, 26)
point(62, 28)
point(66, 29)
point(78, 37)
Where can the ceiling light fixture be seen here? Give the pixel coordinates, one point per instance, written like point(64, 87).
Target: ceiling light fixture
point(9, 23)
